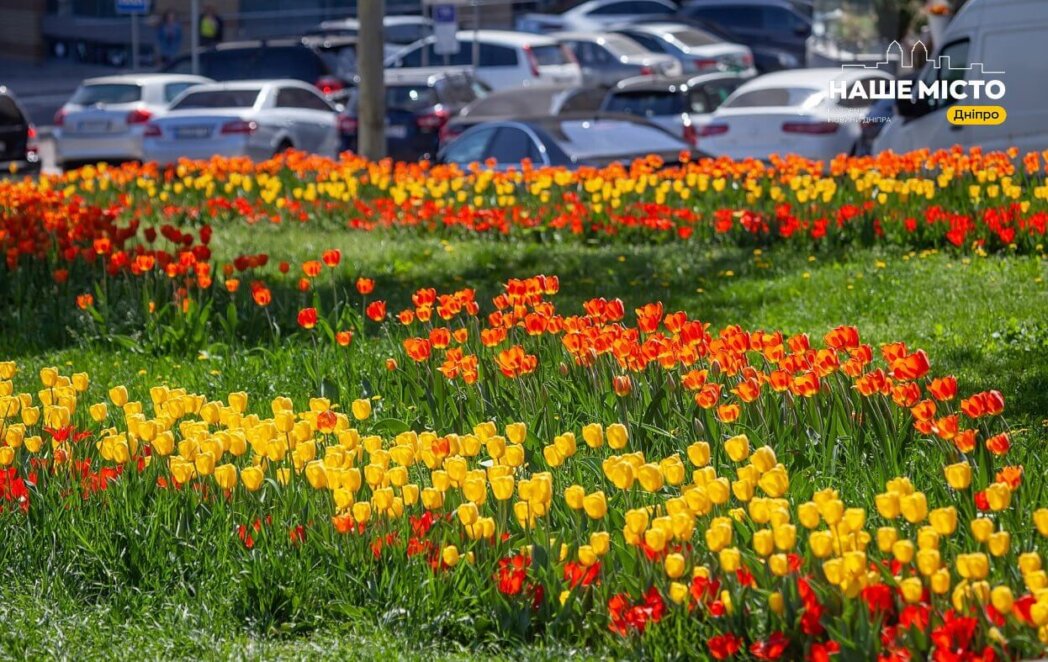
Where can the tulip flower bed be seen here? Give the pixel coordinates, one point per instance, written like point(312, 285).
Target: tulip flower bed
point(230, 421)
point(975, 201)
point(738, 493)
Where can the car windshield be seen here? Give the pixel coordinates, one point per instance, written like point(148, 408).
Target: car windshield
point(620, 45)
point(646, 103)
point(217, 99)
point(692, 38)
point(89, 95)
point(771, 97)
point(410, 96)
point(546, 56)
point(582, 139)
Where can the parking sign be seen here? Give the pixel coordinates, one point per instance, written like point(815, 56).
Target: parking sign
point(445, 29)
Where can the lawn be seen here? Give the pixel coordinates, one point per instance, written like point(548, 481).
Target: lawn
point(306, 409)
point(984, 319)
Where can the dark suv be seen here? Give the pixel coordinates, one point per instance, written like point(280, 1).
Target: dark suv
point(18, 147)
point(782, 25)
point(419, 104)
point(329, 63)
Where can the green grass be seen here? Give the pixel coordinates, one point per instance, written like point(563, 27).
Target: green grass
point(984, 319)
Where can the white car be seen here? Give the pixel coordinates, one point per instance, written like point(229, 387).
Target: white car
point(596, 14)
point(257, 119)
point(606, 58)
point(504, 59)
point(681, 105)
point(1006, 36)
point(697, 50)
point(790, 112)
point(106, 117)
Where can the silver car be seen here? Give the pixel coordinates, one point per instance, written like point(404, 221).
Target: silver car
point(698, 51)
point(256, 119)
point(106, 117)
point(607, 58)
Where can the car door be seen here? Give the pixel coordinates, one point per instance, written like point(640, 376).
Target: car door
point(13, 131)
point(510, 146)
point(308, 119)
point(499, 66)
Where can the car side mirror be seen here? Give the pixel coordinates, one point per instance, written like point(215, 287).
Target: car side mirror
point(912, 108)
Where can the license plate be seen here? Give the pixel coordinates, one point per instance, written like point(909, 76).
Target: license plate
point(94, 127)
point(192, 132)
point(396, 131)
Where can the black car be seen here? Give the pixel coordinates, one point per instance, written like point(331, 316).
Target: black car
point(329, 63)
point(537, 101)
point(419, 105)
point(777, 27)
point(570, 141)
point(18, 146)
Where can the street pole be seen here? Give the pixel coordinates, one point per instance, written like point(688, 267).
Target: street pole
point(134, 42)
point(194, 36)
point(371, 101)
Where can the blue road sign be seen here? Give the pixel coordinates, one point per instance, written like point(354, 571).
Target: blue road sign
point(129, 7)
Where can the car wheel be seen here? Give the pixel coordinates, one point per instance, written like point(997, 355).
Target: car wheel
point(284, 146)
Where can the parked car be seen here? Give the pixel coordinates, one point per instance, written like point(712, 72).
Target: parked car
point(257, 119)
point(504, 59)
point(595, 15)
point(783, 25)
point(698, 51)
point(19, 151)
point(400, 30)
point(789, 112)
point(329, 63)
point(566, 141)
point(766, 57)
point(680, 105)
point(419, 105)
point(105, 118)
point(607, 58)
point(1010, 36)
point(538, 101)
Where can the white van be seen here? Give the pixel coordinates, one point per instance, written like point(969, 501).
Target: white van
point(1009, 36)
point(504, 59)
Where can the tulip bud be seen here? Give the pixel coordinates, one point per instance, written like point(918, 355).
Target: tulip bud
point(737, 447)
point(361, 409)
point(617, 436)
point(674, 565)
point(959, 475)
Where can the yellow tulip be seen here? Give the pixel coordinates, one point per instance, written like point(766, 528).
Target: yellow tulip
point(959, 475)
point(699, 453)
point(940, 581)
point(48, 377)
point(450, 556)
point(252, 478)
point(674, 565)
point(730, 559)
point(737, 447)
point(903, 551)
point(679, 592)
point(595, 505)
point(928, 561)
point(763, 542)
point(999, 496)
point(593, 435)
point(362, 512)
point(821, 543)
point(776, 603)
point(887, 504)
point(587, 555)
point(1040, 520)
point(517, 432)
point(617, 436)
point(999, 543)
point(226, 476)
point(600, 541)
point(468, 514)
point(650, 477)
point(1002, 599)
point(361, 409)
point(982, 528)
point(7, 456)
point(914, 507)
point(775, 482)
point(944, 520)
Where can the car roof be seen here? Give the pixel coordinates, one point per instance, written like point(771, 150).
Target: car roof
point(423, 75)
point(593, 4)
point(507, 37)
point(740, 3)
point(140, 79)
point(253, 84)
point(664, 26)
point(810, 78)
point(657, 83)
point(584, 36)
